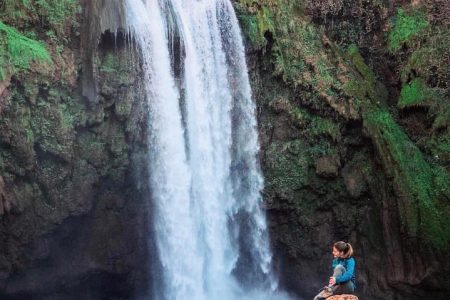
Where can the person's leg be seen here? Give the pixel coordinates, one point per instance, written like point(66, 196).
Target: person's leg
point(345, 288)
point(338, 271)
point(348, 287)
point(318, 297)
point(325, 293)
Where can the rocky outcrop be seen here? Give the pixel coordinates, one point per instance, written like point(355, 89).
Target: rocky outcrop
point(343, 297)
point(327, 166)
point(99, 17)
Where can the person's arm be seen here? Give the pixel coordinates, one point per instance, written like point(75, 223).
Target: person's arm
point(348, 272)
point(334, 263)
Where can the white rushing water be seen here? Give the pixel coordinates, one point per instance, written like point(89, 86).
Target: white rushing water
point(210, 230)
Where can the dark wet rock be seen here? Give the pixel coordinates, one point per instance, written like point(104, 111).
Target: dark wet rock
point(5, 200)
point(73, 194)
point(343, 297)
point(354, 179)
point(327, 166)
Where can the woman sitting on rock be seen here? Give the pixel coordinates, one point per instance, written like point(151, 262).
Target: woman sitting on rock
point(343, 279)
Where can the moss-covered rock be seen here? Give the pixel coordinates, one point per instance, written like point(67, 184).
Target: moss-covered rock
point(328, 79)
point(421, 202)
point(18, 51)
point(416, 93)
point(406, 26)
point(67, 165)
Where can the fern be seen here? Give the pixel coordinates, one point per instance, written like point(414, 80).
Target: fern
point(17, 51)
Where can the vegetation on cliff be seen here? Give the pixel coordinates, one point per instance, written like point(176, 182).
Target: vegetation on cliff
point(59, 155)
point(332, 72)
point(39, 31)
point(18, 51)
point(406, 27)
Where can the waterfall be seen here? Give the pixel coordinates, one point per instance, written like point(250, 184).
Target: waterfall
point(204, 175)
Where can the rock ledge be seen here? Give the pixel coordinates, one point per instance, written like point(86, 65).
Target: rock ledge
point(343, 297)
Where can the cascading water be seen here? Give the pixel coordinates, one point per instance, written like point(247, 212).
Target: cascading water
point(205, 179)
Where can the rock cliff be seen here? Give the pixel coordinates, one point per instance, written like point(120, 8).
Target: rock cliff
point(354, 129)
point(73, 209)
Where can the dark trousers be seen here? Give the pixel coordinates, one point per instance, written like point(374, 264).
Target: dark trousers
point(337, 289)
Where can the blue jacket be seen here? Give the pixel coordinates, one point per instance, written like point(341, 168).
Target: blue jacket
point(349, 265)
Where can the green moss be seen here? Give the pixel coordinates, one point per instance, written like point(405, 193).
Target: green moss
point(430, 60)
point(321, 74)
point(17, 10)
point(358, 61)
point(249, 26)
point(3, 57)
point(264, 21)
point(416, 180)
point(297, 45)
point(109, 64)
point(286, 167)
point(19, 51)
point(324, 73)
point(415, 93)
point(442, 119)
point(54, 118)
point(299, 56)
point(93, 149)
point(30, 135)
point(405, 27)
point(37, 15)
point(317, 126)
point(57, 11)
point(67, 118)
point(321, 148)
point(363, 83)
point(439, 146)
point(257, 23)
point(356, 89)
point(300, 47)
point(115, 69)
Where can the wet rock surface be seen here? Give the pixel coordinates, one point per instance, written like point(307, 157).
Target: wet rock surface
point(343, 297)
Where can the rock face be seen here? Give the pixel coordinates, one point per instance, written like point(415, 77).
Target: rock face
point(100, 16)
point(343, 158)
point(327, 166)
point(73, 190)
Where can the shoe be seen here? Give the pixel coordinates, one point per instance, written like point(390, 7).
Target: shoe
point(325, 292)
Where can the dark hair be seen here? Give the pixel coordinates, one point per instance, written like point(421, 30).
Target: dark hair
point(344, 247)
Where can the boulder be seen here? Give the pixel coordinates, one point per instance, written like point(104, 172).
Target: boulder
point(343, 297)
